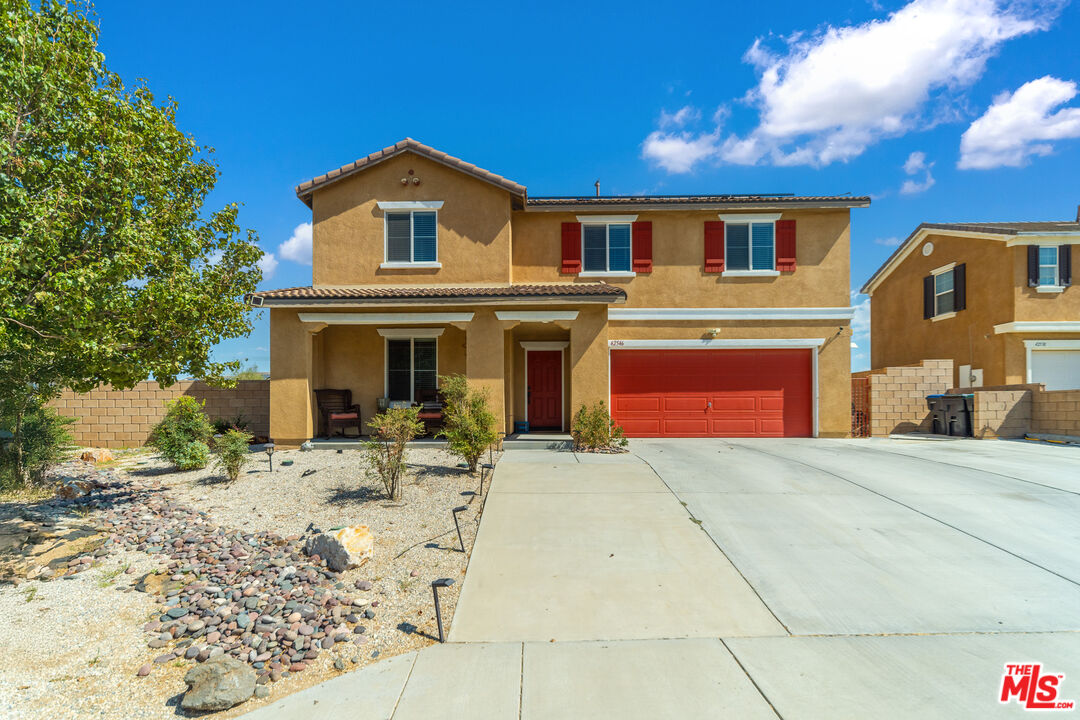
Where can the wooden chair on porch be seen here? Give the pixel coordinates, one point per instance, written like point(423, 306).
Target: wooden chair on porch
point(431, 404)
point(337, 410)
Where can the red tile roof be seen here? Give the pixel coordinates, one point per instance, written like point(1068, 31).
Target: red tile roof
point(573, 292)
point(305, 189)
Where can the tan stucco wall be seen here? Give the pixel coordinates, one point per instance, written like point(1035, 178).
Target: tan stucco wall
point(678, 278)
point(1031, 304)
point(348, 235)
point(291, 379)
point(834, 357)
point(900, 335)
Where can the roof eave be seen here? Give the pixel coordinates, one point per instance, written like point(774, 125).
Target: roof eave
point(690, 205)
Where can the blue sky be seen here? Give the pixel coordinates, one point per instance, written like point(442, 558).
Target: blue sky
point(941, 110)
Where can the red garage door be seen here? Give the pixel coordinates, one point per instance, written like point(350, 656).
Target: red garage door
point(713, 393)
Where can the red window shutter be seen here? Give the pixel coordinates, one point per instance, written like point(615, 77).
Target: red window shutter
point(571, 247)
point(714, 246)
point(642, 250)
point(785, 245)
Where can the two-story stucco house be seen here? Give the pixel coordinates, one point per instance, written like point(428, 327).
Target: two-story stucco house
point(996, 298)
point(717, 315)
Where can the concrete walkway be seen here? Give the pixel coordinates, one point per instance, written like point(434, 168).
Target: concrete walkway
point(771, 579)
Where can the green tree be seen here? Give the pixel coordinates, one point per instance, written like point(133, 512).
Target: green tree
point(251, 372)
point(110, 270)
point(468, 422)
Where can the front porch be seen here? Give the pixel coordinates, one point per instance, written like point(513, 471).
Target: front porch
point(537, 364)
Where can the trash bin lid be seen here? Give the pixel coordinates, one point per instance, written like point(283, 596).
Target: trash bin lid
point(935, 396)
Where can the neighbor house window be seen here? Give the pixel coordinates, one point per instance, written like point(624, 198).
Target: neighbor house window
point(944, 293)
point(605, 247)
point(412, 237)
point(411, 367)
point(1048, 266)
point(750, 246)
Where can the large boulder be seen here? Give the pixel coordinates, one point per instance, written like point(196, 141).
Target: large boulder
point(346, 548)
point(218, 684)
point(97, 455)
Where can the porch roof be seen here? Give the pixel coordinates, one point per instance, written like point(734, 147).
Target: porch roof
point(593, 292)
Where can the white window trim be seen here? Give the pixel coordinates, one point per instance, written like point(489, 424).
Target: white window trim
point(543, 316)
point(1040, 326)
point(412, 362)
point(749, 221)
point(750, 273)
point(1050, 288)
point(1031, 346)
point(548, 346)
point(411, 205)
point(951, 313)
point(607, 247)
point(388, 264)
point(410, 333)
point(1057, 269)
point(602, 219)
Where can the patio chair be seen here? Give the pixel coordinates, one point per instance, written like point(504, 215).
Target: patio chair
point(431, 410)
point(337, 410)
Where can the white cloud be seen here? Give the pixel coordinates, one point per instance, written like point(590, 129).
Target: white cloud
point(1020, 125)
point(682, 116)
point(888, 242)
point(828, 95)
point(298, 247)
point(268, 264)
point(860, 323)
point(915, 164)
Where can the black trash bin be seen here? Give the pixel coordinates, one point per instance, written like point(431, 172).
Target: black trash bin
point(939, 420)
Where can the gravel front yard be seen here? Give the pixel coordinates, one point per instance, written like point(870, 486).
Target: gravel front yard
point(72, 646)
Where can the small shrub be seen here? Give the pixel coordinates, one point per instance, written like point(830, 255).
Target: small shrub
point(183, 434)
point(39, 440)
point(224, 425)
point(593, 429)
point(384, 454)
point(468, 423)
point(232, 453)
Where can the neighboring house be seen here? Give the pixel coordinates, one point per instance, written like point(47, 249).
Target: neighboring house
point(720, 315)
point(996, 298)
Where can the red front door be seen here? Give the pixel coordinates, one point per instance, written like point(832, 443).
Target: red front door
point(544, 389)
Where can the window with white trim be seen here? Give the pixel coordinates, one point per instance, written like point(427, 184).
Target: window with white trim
point(605, 247)
point(1048, 266)
point(945, 292)
point(750, 246)
point(412, 236)
point(411, 367)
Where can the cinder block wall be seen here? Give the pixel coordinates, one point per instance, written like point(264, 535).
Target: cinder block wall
point(124, 418)
point(1002, 413)
point(1056, 412)
point(898, 396)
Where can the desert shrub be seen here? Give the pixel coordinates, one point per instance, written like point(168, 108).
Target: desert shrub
point(183, 434)
point(593, 429)
point(468, 422)
point(384, 453)
point(39, 439)
point(232, 452)
point(224, 425)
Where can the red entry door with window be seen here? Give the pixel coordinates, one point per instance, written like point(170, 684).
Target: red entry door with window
point(543, 391)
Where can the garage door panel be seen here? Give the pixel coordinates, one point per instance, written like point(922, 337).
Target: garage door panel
point(1057, 369)
point(753, 393)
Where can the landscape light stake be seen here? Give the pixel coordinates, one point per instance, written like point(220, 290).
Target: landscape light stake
point(483, 467)
point(270, 455)
point(441, 582)
point(458, 526)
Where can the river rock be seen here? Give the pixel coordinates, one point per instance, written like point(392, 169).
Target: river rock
point(219, 683)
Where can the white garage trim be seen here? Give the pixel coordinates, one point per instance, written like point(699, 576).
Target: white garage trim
point(543, 316)
point(777, 313)
point(1040, 326)
point(728, 344)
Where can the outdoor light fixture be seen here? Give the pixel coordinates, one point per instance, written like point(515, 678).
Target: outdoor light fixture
point(458, 526)
point(270, 455)
point(483, 467)
point(435, 585)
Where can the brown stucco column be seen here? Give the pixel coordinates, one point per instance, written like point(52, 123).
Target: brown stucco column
point(292, 371)
point(484, 361)
point(588, 358)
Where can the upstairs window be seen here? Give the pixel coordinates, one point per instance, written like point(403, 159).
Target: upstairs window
point(1048, 266)
point(605, 247)
point(412, 237)
point(750, 246)
point(944, 293)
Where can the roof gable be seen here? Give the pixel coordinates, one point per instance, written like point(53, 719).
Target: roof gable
point(305, 190)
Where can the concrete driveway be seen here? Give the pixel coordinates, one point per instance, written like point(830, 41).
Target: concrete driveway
point(744, 579)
